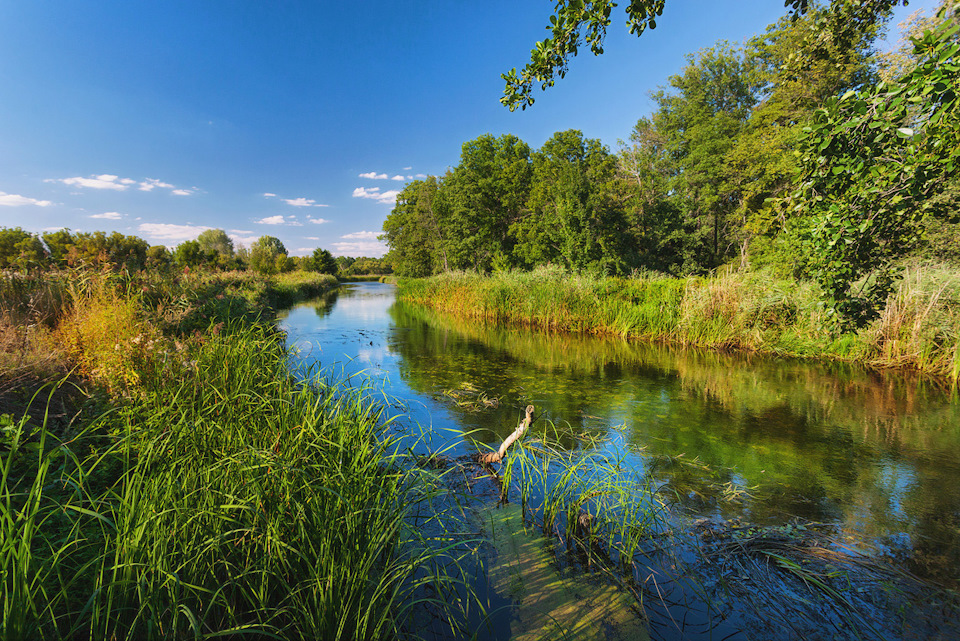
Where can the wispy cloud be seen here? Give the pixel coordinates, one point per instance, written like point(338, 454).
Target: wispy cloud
point(317, 221)
point(103, 181)
point(116, 183)
point(271, 220)
point(372, 175)
point(171, 233)
point(398, 177)
point(374, 193)
point(303, 202)
point(152, 183)
point(16, 200)
point(296, 202)
point(108, 215)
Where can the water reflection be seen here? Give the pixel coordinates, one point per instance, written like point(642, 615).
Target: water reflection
point(762, 439)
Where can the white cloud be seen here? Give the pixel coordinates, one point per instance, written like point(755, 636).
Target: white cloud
point(103, 181)
point(128, 181)
point(169, 232)
point(318, 221)
point(240, 231)
point(398, 177)
point(303, 202)
point(420, 176)
point(367, 235)
point(311, 238)
point(108, 215)
point(271, 220)
point(16, 200)
point(360, 248)
point(150, 183)
point(407, 168)
point(374, 193)
point(181, 192)
point(305, 249)
point(372, 175)
point(269, 195)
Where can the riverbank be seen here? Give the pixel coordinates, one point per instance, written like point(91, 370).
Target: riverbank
point(197, 487)
point(919, 328)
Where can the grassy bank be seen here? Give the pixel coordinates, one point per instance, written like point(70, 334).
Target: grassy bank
point(918, 329)
point(211, 493)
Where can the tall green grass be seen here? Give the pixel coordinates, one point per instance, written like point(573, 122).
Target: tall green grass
point(754, 311)
point(222, 496)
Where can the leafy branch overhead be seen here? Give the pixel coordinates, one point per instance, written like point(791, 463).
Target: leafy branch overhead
point(577, 23)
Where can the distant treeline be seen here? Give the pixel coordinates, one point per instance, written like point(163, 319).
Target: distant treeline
point(212, 249)
point(807, 153)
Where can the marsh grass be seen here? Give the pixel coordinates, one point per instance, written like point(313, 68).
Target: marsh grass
point(752, 311)
point(223, 495)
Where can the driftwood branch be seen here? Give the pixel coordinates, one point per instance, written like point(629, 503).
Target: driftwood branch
point(496, 457)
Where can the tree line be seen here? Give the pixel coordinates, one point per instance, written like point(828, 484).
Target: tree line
point(801, 150)
point(213, 249)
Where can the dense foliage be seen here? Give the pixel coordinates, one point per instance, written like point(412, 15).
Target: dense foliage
point(212, 250)
point(786, 152)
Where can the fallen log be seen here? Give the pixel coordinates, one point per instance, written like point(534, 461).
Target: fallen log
point(496, 457)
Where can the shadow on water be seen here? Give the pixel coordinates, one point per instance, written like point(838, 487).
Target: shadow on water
point(738, 439)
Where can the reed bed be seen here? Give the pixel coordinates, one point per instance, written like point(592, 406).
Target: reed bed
point(221, 494)
point(919, 328)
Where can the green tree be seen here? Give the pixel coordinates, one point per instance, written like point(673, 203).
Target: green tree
point(189, 254)
point(158, 257)
point(700, 115)
point(323, 262)
point(572, 217)
point(873, 163)
point(485, 194)
point(578, 23)
point(413, 232)
point(58, 244)
point(268, 256)
point(653, 221)
point(20, 249)
point(217, 247)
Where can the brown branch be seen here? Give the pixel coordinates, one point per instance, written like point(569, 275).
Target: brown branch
point(496, 457)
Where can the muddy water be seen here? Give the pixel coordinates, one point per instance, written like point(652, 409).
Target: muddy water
point(769, 440)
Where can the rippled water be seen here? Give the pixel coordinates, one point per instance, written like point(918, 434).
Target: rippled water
point(878, 454)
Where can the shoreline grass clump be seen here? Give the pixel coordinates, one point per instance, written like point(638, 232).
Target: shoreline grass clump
point(221, 494)
point(918, 329)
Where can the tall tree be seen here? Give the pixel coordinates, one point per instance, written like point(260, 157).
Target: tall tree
point(268, 256)
point(700, 115)
point(413, 231)
point(484, 195)
point(573, 217)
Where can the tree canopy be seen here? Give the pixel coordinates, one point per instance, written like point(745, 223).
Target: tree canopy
point(583, 23)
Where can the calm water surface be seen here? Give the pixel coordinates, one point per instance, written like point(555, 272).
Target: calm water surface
point(877, 454)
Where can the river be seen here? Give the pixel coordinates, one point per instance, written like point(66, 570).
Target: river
point(761, 441)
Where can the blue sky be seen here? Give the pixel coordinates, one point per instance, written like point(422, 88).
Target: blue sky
point(296, 119)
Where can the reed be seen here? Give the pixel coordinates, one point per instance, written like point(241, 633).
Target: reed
point(918, 329)
point(222, 495)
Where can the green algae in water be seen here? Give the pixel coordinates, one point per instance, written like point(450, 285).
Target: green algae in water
point(550, 603)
